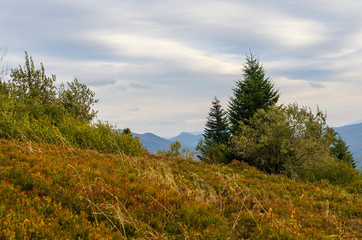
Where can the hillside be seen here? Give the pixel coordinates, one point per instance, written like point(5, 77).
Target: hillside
point(352, 134)
point(53, 192)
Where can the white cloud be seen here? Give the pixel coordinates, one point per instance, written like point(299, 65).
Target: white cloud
point(293, 32)
point(339, 99)
point(167, 59)
point(177, 55)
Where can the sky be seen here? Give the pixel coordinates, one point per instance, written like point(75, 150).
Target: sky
point(155, 65)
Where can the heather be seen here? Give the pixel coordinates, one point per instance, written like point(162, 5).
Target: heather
point(52, 191)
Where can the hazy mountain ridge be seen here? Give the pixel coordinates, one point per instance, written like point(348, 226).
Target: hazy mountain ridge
point(153, 143)
point(352, 134)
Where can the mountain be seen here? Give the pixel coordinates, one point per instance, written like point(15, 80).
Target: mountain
point(352, 135)
point(153, 143)
point(187, 140)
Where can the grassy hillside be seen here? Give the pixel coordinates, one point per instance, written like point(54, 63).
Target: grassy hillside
point(53, 192)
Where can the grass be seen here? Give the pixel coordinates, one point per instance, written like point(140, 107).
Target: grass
point(54, 191)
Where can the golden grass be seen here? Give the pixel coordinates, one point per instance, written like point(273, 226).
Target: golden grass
point(49, 191)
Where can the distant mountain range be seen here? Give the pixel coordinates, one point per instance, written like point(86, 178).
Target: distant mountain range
point(352, 134)
point(153, 143)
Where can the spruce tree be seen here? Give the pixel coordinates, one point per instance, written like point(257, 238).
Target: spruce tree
point(253, 92)
point(340, 150)
point(213, 148)
point(216, 128)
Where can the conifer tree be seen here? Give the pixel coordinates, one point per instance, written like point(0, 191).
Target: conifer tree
point(216, 128)
point(254, 92)
point(340, 150)
point(213, 148)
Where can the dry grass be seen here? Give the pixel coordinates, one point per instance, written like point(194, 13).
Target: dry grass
point(71, 193)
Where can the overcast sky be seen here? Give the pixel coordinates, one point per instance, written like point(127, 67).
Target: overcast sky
point(155, 66)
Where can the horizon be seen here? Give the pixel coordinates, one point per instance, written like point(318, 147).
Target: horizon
point(201, 132)
point(155, 66)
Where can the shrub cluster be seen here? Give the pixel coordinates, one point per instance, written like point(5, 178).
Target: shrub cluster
point(292, 141)
point(175, 152)
point(33, 108)
point(287, 139)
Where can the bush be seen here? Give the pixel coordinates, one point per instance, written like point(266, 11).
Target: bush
point(174, 151)
point(31, 111)
point(213, 152)
point(292, 141)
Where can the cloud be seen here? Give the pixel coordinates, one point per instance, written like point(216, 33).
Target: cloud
point(316, 85)
point(139, 86)
point(167, 123)
point(197, 121)
point(132, 109)
point(172, 53)
point(166, 60)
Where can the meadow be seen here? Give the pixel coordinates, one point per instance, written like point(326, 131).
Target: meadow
point(58, 192)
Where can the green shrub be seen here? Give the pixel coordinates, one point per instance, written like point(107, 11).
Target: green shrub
point(213, 152)
point(292, 141)
point(30, 110)
point(174, 151)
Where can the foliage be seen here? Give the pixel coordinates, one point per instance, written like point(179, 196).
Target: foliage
point(254, 92)
point(126, 131)
point(30, 111)
point(213, 152)
point(290, 140)
point(212, 147)
point(340, 150)
point(216, 128)
point(32, 84)
point(174, 151)
point(78, 100)
point(53, 192)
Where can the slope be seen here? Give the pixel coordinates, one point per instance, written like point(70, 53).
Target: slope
point(53, 192)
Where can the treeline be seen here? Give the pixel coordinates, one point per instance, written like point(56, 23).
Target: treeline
point(33, 108)
point(284, 139)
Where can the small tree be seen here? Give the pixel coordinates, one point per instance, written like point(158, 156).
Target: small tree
point(212, 148)
point(216, 128)
point(254, 92)
point(340, 150)
point(78, 100)
point(174, 151)
point(127, 131)
point(33, 84)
